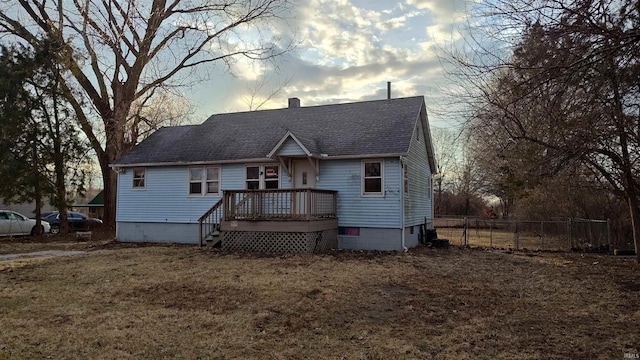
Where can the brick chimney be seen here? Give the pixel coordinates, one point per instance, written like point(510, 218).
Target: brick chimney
point(294, 103)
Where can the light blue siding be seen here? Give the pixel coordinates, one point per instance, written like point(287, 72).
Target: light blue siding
point(355, 210)
point(166, 199)
point(372, 239)
point(289, 148)
point(165, 202)
point(158, 232)
point(418, 201)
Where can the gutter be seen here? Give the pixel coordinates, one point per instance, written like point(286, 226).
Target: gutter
point(257, 160)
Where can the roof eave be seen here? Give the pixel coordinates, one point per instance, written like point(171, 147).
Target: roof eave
point(256, 160)
point(189, 163)
point(426, 134)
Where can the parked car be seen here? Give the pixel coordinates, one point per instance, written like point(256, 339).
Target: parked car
point(13, 223)
point(76, 221)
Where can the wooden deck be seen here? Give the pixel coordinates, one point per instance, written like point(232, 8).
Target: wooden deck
point(278, 220)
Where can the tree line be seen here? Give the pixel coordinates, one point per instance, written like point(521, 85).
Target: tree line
point(553, 118)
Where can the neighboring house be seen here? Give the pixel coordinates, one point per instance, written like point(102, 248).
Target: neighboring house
point(27, 208)
point(355, 175)
point(95, 207)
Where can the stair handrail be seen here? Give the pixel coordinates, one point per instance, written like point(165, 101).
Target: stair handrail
point(215, 220)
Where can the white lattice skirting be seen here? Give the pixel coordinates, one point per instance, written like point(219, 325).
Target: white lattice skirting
point(280, 242)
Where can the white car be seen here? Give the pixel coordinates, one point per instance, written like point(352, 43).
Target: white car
point(13, 223)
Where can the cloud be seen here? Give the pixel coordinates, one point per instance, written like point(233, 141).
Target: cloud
point(348, 52)
point(441, 8)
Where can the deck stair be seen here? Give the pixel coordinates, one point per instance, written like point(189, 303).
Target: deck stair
point(209, 224)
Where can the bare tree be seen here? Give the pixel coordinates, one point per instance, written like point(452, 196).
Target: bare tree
point(447, 150)
point(118, 51)
point(260, 93)
point(160, 107)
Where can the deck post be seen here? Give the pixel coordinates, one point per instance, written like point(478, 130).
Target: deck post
point(308, 195)
point(200, 229)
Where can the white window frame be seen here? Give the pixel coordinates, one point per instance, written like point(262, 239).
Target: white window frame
point(363, 177)
point(262, 176)
point(144, 179)
point(204, 181)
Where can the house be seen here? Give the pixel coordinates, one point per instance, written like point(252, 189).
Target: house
point(27, 208)
point(95, 207)
point(354, 175)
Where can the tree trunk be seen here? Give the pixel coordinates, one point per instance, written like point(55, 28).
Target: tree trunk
point(37, 193)
point(59, 168)
point(110, 179)
point(61, 193)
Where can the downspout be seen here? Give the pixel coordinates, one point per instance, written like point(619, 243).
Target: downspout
point(402, 222)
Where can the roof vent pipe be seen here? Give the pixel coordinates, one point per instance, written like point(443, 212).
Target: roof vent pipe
point(388, 90)
point(294, 103)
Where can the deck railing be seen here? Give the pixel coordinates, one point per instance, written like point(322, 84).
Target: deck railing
point(286, 204)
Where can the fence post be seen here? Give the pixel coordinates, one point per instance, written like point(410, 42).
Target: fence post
point(570, 233)
point(608, 235)
point(541, 235)
point(466, 231)
point(491, 234)
point(591, 235)
point(515, 237)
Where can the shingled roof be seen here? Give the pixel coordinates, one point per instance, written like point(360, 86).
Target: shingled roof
point(353, 129)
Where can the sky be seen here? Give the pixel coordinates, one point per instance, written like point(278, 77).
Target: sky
point(347, 50)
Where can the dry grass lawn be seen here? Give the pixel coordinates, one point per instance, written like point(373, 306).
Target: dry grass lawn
point(181, 302)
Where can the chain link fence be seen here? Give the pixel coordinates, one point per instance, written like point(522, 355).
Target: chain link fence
point(569, 234)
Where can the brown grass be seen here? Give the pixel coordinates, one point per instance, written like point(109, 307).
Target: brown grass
point(152, 302)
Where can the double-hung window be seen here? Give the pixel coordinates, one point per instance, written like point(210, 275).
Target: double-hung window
point(262, 177)
point(204, 180)
point(372, 177)
point(138, 178)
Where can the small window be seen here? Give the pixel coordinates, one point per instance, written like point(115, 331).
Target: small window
point(262, 177)
point(204, 181)
point(138, 178)
point(271, 177)
point(411, 231)
point(195, 181)
point(372, 178)
point(213, 180)
point(253, 177)
point(348, 231)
